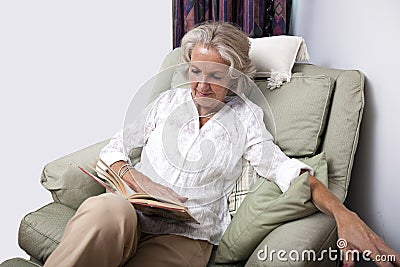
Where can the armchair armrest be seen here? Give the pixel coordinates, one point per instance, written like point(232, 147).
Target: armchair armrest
point(41, 231)
point(66, 183)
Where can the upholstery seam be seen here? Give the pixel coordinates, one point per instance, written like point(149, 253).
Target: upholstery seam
point(326, 239)
point(324, 115)
point(356, 137)
point(33, 228)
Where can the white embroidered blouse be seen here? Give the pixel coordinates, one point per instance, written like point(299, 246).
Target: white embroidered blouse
point(201, 164)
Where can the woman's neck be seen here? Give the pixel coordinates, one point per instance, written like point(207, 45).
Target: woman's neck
point(208, 112)
point(205, 114)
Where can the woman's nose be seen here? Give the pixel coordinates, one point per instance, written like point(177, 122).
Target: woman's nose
point(203, 85)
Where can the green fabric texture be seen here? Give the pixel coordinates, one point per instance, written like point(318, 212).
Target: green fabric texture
point(300, 110)
point(18, 262)
point(316, 232)
point(266, 208)
point(69, 185)
point(341, 134)
point(165, 78)
point(40, 231)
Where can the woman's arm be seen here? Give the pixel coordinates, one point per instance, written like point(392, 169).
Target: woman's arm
point(350, 227)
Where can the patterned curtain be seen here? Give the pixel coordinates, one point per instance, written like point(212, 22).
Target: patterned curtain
point(258, 18)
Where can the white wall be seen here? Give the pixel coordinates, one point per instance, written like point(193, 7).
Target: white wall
point(363, 34)
point(65, 68)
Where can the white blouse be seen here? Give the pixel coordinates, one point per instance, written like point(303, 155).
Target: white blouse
point(201, 164)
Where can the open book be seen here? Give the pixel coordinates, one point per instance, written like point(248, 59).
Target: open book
point(148, 204)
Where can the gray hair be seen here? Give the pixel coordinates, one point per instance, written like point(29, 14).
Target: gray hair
point(231, 43)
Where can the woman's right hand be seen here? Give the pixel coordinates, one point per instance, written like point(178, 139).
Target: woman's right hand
point(143, 184)
point(146, 185)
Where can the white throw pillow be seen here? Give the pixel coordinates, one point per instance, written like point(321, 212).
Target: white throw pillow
point(274, 57)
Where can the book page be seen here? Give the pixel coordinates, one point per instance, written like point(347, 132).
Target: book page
point(159, 199)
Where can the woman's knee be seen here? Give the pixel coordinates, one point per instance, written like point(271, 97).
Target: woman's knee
point(104, 225)
point(108, 209)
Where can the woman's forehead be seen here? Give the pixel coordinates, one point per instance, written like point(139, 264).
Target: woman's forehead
point(202, 52)
point(209, 66)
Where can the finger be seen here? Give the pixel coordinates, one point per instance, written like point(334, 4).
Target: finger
point(348, 264)
point(348, 260)
point(176, 195)
point(167, 196)
point(166, 193)
point(390, 256)
point(376, 256)
point(397, 261)
point(385, 251)
point(183, 199)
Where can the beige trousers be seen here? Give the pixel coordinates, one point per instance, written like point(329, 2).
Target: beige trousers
point(105, 232)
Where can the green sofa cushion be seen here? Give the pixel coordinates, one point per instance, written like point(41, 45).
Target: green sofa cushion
point(300, 110)
point(265, 208)
point(40, 231)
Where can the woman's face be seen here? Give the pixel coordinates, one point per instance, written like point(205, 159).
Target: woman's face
point(208, 76)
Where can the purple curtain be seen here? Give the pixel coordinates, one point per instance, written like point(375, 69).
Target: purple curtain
point(258, 18)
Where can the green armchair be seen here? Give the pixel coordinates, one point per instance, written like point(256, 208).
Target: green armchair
point(41, 230)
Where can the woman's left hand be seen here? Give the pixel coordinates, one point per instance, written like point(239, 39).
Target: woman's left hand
point(355, 235)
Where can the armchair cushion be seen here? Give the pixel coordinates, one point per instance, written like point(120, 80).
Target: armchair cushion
point(18, 262)
point(265, 208)
point(300, 109)
point(40, 231)
point(312, 237)
point(69, 185)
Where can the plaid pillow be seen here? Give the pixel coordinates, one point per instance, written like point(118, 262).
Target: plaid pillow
point(248, 177)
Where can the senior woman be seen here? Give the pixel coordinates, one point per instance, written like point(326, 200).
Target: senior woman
point(107, 231)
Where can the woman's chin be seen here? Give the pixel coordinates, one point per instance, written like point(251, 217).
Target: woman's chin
point(207, 102)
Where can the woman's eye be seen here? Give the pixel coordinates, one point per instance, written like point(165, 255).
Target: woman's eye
point(195, 71)
point(216, 77)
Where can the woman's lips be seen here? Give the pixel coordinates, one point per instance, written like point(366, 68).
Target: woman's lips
point(203, 94)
